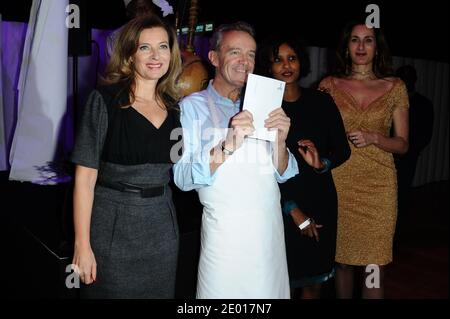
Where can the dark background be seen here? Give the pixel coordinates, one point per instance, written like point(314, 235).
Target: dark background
point(417, 29)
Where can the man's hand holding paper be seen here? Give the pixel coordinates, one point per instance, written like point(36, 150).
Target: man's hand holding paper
point(263, 97)
point(241, 125)
point(279, 122)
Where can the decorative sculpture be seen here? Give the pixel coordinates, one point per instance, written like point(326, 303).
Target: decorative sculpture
point(194, 77)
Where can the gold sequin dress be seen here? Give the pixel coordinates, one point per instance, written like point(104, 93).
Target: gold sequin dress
point(366, 184)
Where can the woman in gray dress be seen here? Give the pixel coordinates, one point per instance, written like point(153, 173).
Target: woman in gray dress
point(126, 236)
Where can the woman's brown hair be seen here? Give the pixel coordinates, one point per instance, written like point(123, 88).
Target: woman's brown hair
point(382, 63)
point(120, 68)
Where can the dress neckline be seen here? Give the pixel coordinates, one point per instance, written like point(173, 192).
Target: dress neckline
point(356, 104)
point(150, 122)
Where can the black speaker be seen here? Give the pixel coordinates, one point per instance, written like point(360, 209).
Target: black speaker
point(79, 29)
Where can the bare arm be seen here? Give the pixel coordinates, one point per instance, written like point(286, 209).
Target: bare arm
point(397, 144)
point(83, 199)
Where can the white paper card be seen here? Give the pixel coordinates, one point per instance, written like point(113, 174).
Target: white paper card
point(262, 96)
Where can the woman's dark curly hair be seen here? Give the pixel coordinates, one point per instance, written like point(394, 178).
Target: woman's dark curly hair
point(382, 63)
point(270, 48)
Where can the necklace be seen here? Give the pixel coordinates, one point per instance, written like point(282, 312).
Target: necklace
point(363, 74)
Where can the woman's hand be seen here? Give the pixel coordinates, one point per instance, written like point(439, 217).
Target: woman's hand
point(362, 138)
point(309, 152)
point(312, 230)
point(85, 263)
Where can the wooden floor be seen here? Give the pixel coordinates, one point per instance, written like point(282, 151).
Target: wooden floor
point(421, 254)
point(421, 263)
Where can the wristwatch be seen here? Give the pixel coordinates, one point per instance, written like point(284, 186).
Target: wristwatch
point(224, 150)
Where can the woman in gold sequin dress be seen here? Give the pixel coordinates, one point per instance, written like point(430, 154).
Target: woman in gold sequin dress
point(370, 102)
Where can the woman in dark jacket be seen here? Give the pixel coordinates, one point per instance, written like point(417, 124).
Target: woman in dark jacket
point(309, 199)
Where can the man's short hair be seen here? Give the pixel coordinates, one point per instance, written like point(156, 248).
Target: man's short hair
point(217, 37)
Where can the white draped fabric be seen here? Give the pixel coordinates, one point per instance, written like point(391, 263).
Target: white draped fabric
point(42, 94)
point(13, 36)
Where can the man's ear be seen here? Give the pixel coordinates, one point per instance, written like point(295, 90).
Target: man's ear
point(214, 58)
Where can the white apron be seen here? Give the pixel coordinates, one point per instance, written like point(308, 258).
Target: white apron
point(242, 237)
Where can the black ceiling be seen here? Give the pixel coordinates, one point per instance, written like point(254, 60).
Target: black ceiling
point(413, 28)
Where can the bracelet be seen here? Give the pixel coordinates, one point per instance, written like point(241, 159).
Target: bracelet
point(305, 224)
point(326, 165)
point(224, 150)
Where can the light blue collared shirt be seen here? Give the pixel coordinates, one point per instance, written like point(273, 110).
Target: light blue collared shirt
point(193, 170)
